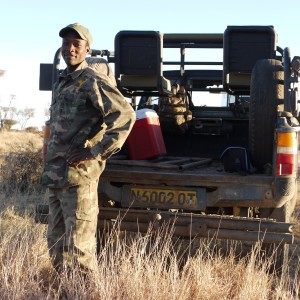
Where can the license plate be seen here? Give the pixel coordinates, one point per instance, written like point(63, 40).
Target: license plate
point(192, 199)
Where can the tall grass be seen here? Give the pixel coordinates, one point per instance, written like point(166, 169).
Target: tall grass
point(134, 267)
point(129, 266)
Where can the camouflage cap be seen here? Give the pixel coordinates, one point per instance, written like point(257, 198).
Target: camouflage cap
point(83, 32)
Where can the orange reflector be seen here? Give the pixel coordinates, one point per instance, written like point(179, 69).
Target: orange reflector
point(286, 139)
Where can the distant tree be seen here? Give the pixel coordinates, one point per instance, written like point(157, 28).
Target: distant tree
point(47, 111)
point(12, 112)
point(2, 116)
point(9, 123)
point(24, 115)
point(2, 72)
point(7, 113)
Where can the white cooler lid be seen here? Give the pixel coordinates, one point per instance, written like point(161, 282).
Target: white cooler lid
point(145, 113)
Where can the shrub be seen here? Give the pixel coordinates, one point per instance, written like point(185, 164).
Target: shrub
point(32, 129)
point(21, 169)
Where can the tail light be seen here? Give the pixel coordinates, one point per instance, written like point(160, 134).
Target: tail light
point(286, 153)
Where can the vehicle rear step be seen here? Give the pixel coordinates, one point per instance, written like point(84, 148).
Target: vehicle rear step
point(190, 224)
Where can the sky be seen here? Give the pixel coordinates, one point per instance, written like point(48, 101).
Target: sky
point(29, 32)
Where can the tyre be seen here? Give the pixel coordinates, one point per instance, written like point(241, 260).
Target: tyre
point(266, 98)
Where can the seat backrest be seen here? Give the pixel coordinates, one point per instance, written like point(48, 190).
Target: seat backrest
point(243, 46)
point(138, 61)
point(138, 53)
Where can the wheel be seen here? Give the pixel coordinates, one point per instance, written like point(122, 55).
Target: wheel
point(266, 98)
point(278, 253)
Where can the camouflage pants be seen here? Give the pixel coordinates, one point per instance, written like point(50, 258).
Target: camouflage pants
point(72, 226)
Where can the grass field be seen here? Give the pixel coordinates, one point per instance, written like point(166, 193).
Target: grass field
point(129, 266)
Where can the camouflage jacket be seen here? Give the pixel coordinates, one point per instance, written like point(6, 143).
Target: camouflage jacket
point(86, 111)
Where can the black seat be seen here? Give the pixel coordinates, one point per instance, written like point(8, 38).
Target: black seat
point(138, 63)
point(243, 46)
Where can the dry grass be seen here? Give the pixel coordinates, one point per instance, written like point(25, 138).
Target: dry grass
point(20, 161)
point(11, 140)
point(132, 266)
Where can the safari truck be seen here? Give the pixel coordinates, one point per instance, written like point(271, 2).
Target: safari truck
point(214, 148)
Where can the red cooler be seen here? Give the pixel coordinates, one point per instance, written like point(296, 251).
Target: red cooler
point(145, 139)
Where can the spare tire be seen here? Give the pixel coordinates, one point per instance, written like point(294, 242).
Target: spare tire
point(266, 98)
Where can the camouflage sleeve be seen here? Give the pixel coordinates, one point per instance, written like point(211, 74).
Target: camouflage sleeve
point(118, 119)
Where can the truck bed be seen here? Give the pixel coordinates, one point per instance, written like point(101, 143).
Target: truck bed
point(222, 189)
point(171, 168)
